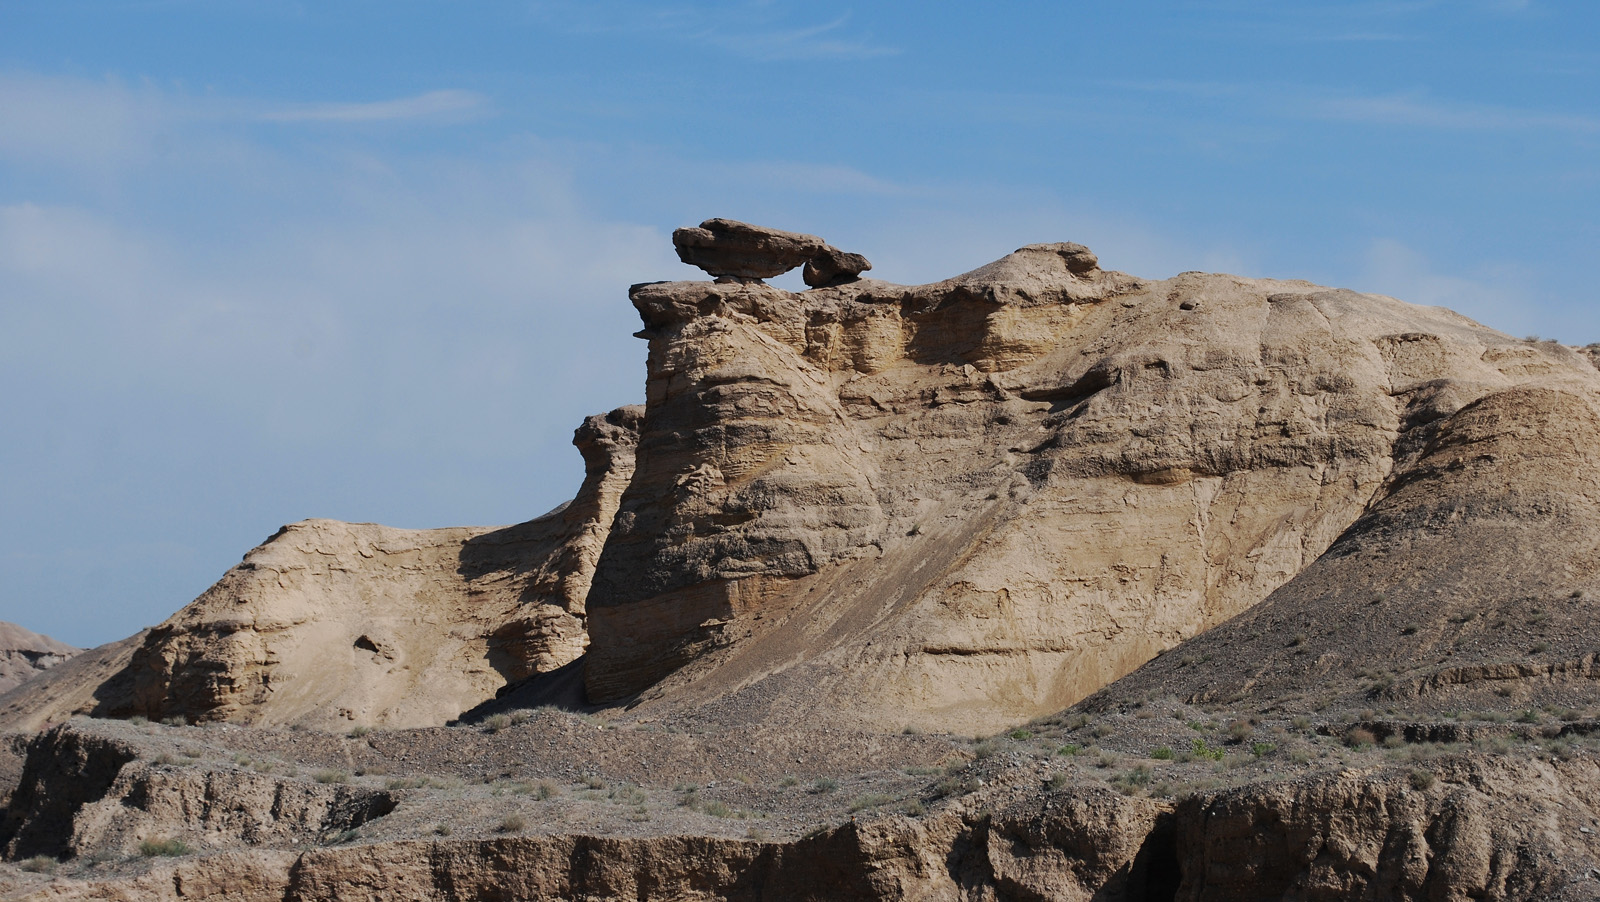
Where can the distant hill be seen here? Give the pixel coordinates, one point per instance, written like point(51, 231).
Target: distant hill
point(24, 653)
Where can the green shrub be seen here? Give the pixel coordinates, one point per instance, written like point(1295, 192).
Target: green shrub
point(1161, 753)
point(170, 848)
point(1262, 749)
point(1071, 749)
point(1020, 734)
point(1201, 750)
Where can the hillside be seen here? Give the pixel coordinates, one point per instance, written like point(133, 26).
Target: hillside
point(24, 654)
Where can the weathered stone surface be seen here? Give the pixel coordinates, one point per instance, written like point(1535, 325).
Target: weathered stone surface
point(964, 504)
point(24, 654)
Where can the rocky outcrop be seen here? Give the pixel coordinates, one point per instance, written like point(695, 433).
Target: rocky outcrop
point(740, 252)
point(24, 654)
point(336, 624)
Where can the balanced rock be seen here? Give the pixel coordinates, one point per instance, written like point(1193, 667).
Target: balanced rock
point(738, 251)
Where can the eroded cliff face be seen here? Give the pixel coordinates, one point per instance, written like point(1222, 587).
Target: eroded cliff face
point(968, 503)
point(332, 624)
point(1480, 826)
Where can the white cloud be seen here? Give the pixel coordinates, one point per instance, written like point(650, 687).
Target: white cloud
point(433, 105)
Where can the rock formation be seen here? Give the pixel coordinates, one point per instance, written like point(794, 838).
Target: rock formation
point(24, 654)
point(740, 252)
point(968, 503)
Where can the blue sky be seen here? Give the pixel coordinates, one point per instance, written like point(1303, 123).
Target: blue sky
point(261, 261)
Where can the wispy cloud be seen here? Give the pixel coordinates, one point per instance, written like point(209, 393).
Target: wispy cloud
point(1415, 109)
point(433, 105)
point(814, 42)
point(1418, 111)
point(753, 30)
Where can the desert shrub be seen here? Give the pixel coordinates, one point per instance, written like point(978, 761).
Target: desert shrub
point(176, 720)
point(1394, 741)
point(1420, 779)
point(1200, 749)
point(1161, 753)
point(512, 823)
point(1528, 716)
point(870, 800)
point(1020, 734)
point(1059, 780)
point(913, 808)
point(1102, 730)
point(1071, 748)
point(594, 782)
point(331, 776)
point(985, 748)
point(518, 718)
point(954, 786)
point(824, 784)
point(494, 723)
point(442, 830)
point(716, 808)
point(170, 848)
point(40, 864)
point(138, 719)
point(1301, 723)
point(1262, 749)
point(1360, 738)
point(911, 731)
point(358, 731)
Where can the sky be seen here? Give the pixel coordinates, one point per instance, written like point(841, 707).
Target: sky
point(262, 261)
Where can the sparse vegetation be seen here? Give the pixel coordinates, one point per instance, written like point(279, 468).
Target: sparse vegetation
point(870, 800)
point(1161, 753)
point(331, 776)
point(1420, 779)
point(494, 723)
point(163, 848)
point(1070, 749)
point(512, 823)
point(1020, 734)
point(358, 731)
point(39, 864)
point(824, 784)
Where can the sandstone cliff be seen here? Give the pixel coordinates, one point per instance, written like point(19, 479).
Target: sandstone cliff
point(964, 504)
